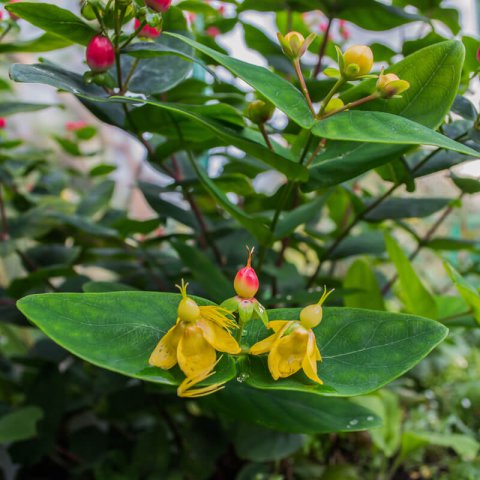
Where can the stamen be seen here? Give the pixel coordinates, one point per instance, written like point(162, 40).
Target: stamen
point(218, 315)
point(185, 388)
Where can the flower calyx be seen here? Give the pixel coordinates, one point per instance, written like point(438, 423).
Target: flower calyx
point(294, 44)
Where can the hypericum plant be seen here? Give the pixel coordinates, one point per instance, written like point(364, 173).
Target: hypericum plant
point(343, 137)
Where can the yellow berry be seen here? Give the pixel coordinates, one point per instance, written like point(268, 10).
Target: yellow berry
point(358, 60)
point(188, 310)
point(311, 316)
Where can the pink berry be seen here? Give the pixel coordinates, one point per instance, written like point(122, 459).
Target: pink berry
point(147, 31)
point(74, 126)
point(213, 32)
point(478, 54)
point(159, 5)
point(100, 54)
point(246, 281)
point(3, 122)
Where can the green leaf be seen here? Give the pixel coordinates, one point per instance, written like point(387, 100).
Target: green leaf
point(238, 138)
point(97, 199)
point(54, 20)
point(386, 404)
point(360, 276)
point(408, 207)
point(44, 43)
point(280, 92)
point(362, 350)
point(289, 221)
point(310, 413)
point(11, 108)
point(20, 424)
point(380, 127)
point(469, 293)
point(259, 444)
point(417, 298)
point(257, 229)
point(208, 276)
point(464, 445)
point(104, 287)
point(466, 184)
point(117, 331)
point(434, 76)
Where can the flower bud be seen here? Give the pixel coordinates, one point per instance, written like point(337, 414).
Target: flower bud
point(159, 5)
point(358, 61)
point(147, 31)
point(100, 54)
point(260, 111)
point(294, 45)
point(389, 85)
point(333, 105)
point(312, 315)
point(246, 281)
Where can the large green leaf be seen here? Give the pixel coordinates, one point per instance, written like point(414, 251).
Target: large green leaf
point(280, 92)
point(294, 412)
point(408, 207)
point(11, 108)
point(117, 331)
point(55, 20)
point(417, 298)
point(434, 76)
point(362, 350)
point(381, 127)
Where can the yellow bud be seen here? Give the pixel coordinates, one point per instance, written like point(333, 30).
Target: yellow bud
point(311, 316)
point(188, 310)
point(389, 84)
point(294, 44)
point(295, 40)
point(358, 61)
point(333, 105)
point(260, 111)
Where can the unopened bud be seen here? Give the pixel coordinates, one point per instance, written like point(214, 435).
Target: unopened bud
point(357, 61)
point(159, 5)
point(294, 45)
point(389, 85)
point(260, 111)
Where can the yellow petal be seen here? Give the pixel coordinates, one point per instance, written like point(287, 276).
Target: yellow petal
point(318, 355)
point(287, 355)
point(185, 388)
point(277, 325)
point(218, 315)
point(309, 363)
point(195, 355)
point(165, 353)
point(219, 338)
point(265, 345)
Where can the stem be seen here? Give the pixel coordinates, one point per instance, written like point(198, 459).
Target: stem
point(330, 94)
point(261, 126)
point(424, 241)
point(356, 103)
point(118, 63)
point(133, 35)
point(129, 76)
point(3, 214)
point(323, 48)
point(5, 33)
point(456, 315)
point(313, 156)
point(301, 79)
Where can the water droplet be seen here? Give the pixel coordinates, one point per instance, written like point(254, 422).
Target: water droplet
point(354, 421)
point(242, 377)
point(289, 297)
point(466, 403)
point(370, 418)
point(349, 426)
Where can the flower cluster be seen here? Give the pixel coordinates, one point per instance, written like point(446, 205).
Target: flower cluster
point(202, 331)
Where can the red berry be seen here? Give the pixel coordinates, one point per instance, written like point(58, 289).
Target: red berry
point(74, 126)
point(100, 54)
point(159, 5)
point(147, 31)
point(246, 281)
point(3, 122)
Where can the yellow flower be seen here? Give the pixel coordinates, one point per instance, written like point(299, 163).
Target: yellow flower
point(193, 342)
point(293, 345)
